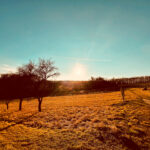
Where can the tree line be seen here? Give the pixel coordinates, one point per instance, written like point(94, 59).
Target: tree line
point(30, 81)
point(101, 84)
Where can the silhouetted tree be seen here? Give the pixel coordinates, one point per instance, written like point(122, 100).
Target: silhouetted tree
point(24, 88)
point(7, 88)
point(26, 81)
point(45, 69)
point(28, 69)
point(40, 73)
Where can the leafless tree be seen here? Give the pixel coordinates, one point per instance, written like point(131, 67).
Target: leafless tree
point(40, 73)
point(46, 69)
point(28, 69)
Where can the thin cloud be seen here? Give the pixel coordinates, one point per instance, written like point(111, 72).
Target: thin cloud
point(7, 69)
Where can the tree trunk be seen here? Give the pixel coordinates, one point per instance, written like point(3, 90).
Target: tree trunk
point(40, 103)
point(7, 104)
point(122, 93)
point(20, 104)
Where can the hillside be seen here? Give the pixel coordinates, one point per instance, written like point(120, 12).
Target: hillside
point(78, 122)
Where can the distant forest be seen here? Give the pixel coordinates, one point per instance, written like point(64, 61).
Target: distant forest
point(101, 84)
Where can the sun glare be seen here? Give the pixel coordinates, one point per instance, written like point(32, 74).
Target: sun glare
point(78, 72)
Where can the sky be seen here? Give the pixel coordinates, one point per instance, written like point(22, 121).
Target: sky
point(107, 38)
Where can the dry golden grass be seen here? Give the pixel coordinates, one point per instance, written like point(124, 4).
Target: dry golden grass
point(92, 121)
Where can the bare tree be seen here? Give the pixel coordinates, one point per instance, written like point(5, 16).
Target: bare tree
point(28, 69)
point(44, 70)
point(39, 73)
point(7, 89)
point(26, 74)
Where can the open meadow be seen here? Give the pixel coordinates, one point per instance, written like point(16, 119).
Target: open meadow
point(78, 122)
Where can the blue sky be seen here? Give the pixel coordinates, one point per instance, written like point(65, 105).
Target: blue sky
point(108, 38)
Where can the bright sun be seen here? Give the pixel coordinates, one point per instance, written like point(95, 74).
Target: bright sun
point(78, 72)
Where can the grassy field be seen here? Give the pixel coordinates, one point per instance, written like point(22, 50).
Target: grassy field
point(79, 122)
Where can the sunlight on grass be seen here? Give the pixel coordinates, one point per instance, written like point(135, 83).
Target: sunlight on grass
point(91, 121)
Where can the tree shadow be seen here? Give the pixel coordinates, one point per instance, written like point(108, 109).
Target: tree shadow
point(117, 137)
point(121, 103)
point(129, 143)
point(138, 101)
point(139, 96)
point(20, 121)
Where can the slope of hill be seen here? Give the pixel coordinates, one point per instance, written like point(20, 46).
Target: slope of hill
point(79, 122)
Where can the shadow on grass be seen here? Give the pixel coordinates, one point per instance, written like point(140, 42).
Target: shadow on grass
point(139, 96)
point(105, 134)
point(20, 121)
point(121, 103)
point(129, 143)
point(135, 102)
point(6, 113)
